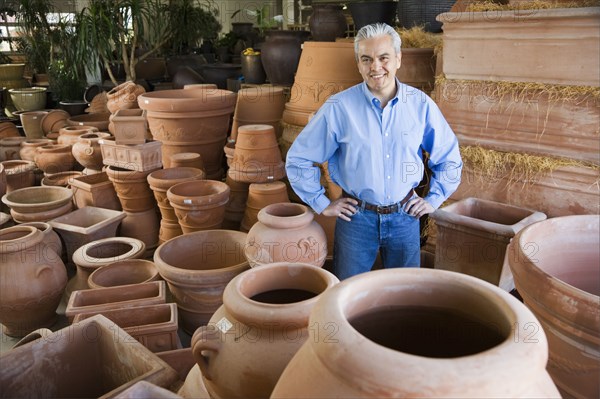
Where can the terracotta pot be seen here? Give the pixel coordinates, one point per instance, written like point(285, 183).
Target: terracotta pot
point(28, 148)
point(132, 189)
point(19, 174)
point(99, 120)
point(86, 348)
point(124, 96)
point(139, 157)
point(191, 121)
point(197, 267)
point(86, 150)
point(259, 196)
point(286, 232)
point(38, 204)
point(98, 253)
point(266, 312)
point(8, 129)
point(564, 296)
point(235, 208)
point(327, 22)
point(457, 326)
point(280, 54)
point(187, 159)
point(69, 135)
point(199, 204)
point(51, 237)
point(10, 147)
point(229, 150)
point(123, 272)
point(259, 105)
point(54, 158)
point(130, 126)
point(61, 179)
point(95, 190)
point(418, 68)
point(32, 280)
point(472, 235)
point(54, 120)
point(32, 123)
point(145, 226)
point(257, 158)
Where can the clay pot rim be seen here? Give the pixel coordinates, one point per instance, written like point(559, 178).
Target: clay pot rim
point(37, 141)
point(94, 136)
point(338, 303)
point(64, 196)
point(82, 259)
point(267, 188)
point(454, 18)
point(13, 140)
point(195, 278)
point(28, 90)
point(60, 176)
point(32, 237)
point(257, 280)
point(268, 215)
point(218, 196)
point(41, 215)
point(77, 128)
point(163, 179)
point(33, 113)
point(41, 226)
point(53, 147)
point(114, 173)
point(16, 166)
point(168, 101)
point(125, 264)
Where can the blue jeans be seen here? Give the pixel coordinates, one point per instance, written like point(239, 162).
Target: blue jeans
point(396, 236)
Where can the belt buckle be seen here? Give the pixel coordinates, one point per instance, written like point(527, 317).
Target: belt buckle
point(387, 209)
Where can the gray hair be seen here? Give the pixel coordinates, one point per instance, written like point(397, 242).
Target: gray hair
point(377, 29)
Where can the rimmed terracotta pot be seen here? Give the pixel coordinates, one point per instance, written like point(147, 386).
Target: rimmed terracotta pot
point(10, 147)
point(259, 196)
point(61, 179)
point(38, 204)
point(262, 323)
point(19, 174)
point(197, 267)
point(32, 280)
point(95, 190)
point(99, 120)
point(556, 269)
point(257, 158)
point(123, 272)
point(28, 148)
point(70, 134)
point(54, 120)
point(123, 96)
point(54, 158)
point(286, 232)
point(32, 123)
point(199, 204)
point(8, 129)
point(259, 105)
point(132, 188)
point(187, 159)
point(384, 333)
point(51, 237)
point(86, 150)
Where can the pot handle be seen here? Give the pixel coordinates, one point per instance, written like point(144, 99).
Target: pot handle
point(32, 336)
point(205, 339)
point(41, 269)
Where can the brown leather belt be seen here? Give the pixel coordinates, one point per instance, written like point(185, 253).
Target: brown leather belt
point(381, 209)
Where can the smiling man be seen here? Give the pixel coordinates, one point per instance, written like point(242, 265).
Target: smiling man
point(373, 136)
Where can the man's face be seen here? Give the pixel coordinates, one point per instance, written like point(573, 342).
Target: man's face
point(378, 63)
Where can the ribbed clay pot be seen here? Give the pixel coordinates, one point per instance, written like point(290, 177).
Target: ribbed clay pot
point(32, 123)
point(28, 148)
point(280, 54)
point(132, 189)
point(197, 267)
point(10, 147)
point(556, 269)
point(32, 281)
point(19, 174)
point(327, 22)
point(70, 134)
point(267, 311)
point(191, 121)
point(38, 204)
point(286, 232)
point(124, 96)
point(98, 253)
point(199, 204)
point(385, 333)
point(54, 158)
point(123, 272)
point(187, 159)
point(259, 196)
point(86, 150)
point(257, 158)
point(261, 105)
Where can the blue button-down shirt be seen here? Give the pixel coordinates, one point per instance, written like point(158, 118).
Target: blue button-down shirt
point(375, 154)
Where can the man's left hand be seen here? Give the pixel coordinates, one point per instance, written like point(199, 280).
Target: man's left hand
point(418, 207)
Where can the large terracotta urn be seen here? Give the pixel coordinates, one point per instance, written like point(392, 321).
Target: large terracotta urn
point(32, 280)
point(286, 232)
point(262, 323)
point(197, 267)
point(280, 54)
point(191, 121)
point(556, 269)
point(419, 333)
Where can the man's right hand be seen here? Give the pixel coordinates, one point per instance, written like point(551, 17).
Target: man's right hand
point(343, 208)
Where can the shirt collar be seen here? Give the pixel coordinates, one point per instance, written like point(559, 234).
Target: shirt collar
point(371, 98)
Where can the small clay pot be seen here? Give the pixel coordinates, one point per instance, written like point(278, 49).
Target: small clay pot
point(259, 196)
point(19, 174)
point(124, 96)
point(132, 189)
point(54, 158)
point(28, 148)
point(61, 179)
point(124, 272)
point(54, 120)
point(70, 134)
point(87, 152)
point(10, 148)
point(32, 123)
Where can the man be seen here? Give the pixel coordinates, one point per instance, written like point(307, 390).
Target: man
point(373, 136)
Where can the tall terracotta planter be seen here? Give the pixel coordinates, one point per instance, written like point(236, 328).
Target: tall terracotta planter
point(385, 333)
point(261, 105)
point(472, 235)
point(190, 121)
point(32, 280)
point(556, 268)
point(417, 69)
point(280, 54)
point(270, 307)
point(286, 232)
point(259, 196)
point(132, 189)
point(197, 266)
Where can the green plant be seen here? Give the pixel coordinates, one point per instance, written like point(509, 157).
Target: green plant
point(228, 40)
point(264, 21)
point(66, 73)
point(35, 32)
point(191, 21)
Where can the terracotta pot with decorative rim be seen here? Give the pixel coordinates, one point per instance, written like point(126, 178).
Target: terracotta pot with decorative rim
point(10, 147)
point(132, 189)
point(259, 196)
point(197, 267)
point(556, 269)
point(257, 158)
point(199, 204)
point(262, 323)
point(32, 123)
point(70, 134)
point(54, 158)
point(124, 272)
point(38, 204)
point(32, 280)
point(19, 174)
point(386, 332)
point(28, 148)
point(86, 150)
point(286, 232)
point(124, 96)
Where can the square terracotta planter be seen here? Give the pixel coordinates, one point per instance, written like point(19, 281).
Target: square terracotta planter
point(99, 300)
point(154, 326)
point(94, 358)
point(472, 236)
point(139, 157)
point(95, 190)
point(130, 126)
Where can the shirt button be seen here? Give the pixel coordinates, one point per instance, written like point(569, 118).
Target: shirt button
point(388, 197)
point(389, 177)
point(386, 135)
point(387, 156)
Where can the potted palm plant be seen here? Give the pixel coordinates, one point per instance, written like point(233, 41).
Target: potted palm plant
point(34, 34)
